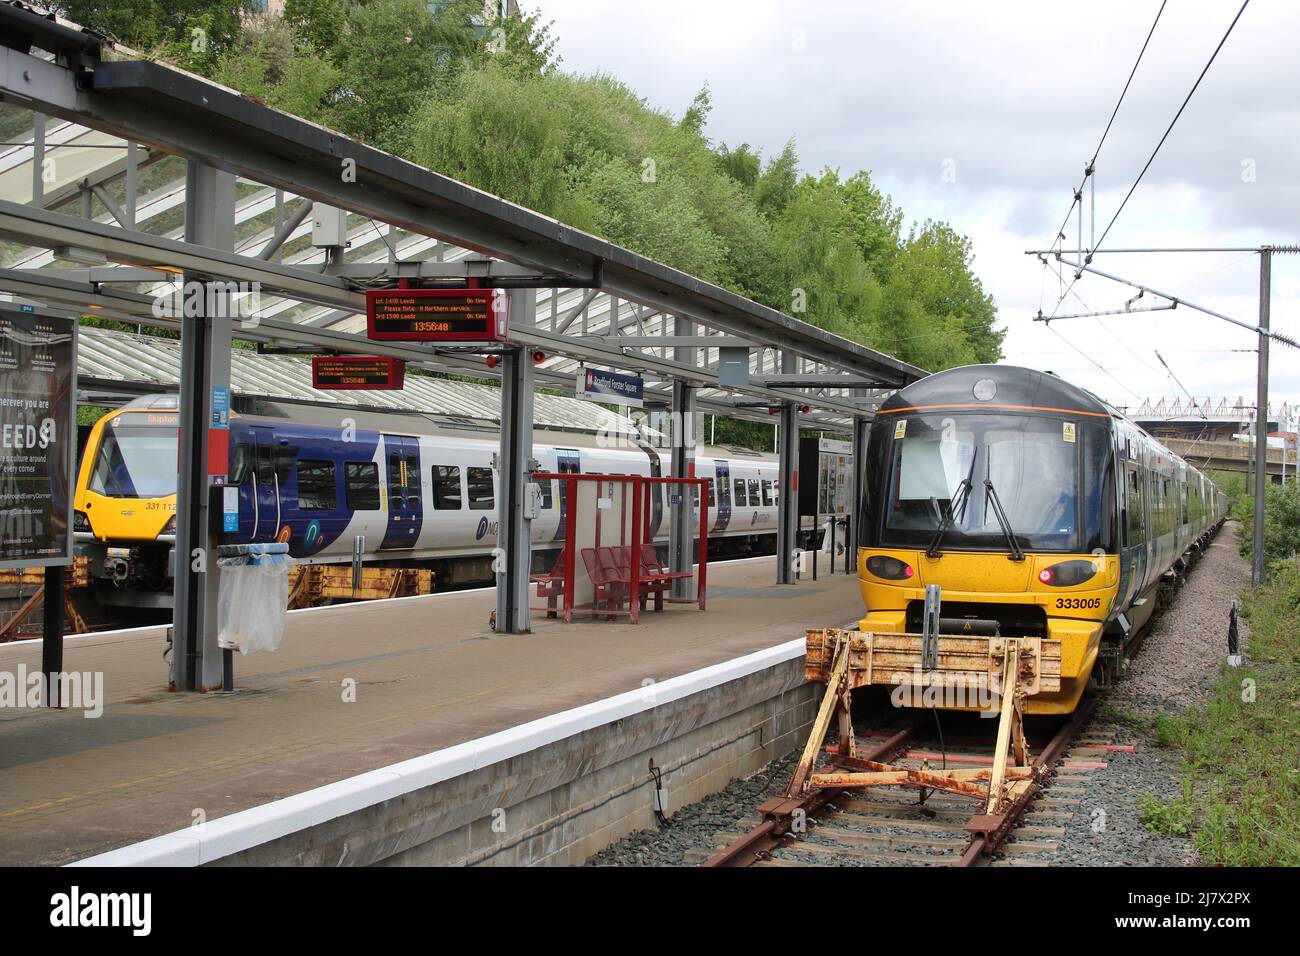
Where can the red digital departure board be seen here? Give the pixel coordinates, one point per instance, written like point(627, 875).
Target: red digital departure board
point(436, 315)
point(335, 372)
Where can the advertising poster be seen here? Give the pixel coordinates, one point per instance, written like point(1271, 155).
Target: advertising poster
point(38, 437)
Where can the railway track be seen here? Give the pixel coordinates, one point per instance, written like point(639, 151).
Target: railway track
point(895, 826)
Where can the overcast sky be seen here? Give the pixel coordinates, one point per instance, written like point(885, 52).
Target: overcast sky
point(984, 115)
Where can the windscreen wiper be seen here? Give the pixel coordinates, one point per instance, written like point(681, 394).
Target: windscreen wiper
point(958, 500)
point(1016, 554)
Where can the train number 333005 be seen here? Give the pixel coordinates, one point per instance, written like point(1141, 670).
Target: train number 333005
point(1065, 602)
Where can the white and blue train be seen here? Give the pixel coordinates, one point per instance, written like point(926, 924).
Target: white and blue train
point(416, 493)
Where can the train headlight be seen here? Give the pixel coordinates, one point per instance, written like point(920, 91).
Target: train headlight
point(81, 522)
point(170, 526)
point(891, 569)
point(1067, 574)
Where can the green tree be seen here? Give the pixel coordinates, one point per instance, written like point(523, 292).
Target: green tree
point(742, 164)
point(268, 62)
point(775, 188)
point(874, 221)
point(393, 55)
point(192, 33)
point(935, 264)
point(317, 22)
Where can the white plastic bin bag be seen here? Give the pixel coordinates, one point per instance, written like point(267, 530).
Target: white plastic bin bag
point(253, 596)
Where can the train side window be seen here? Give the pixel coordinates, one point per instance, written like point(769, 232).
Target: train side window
point(713, 493)
point(317, 490)
point(754, 500)
point(285, 456)
point(446, 488)
point(1134, 531)
point(739, 497)
point(243, 463)
point(481, 497)
point(768, 500)
point(265, 471)
point(362, 481)
point(548, 502)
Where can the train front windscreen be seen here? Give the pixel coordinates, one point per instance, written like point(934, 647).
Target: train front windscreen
point(136, 457)
point(984, 479)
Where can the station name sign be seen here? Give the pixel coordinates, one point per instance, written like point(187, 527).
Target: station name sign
point(436, 315)
point(338, 372)
point(615, 387)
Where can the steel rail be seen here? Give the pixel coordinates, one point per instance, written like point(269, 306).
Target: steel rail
point(988, 840)
point(769, 834)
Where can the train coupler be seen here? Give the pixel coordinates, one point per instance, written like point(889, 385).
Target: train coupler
point(990, 673)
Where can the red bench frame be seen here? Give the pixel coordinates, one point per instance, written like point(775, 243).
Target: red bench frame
point(614, 575)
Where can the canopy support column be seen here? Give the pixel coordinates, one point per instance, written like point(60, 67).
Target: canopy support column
point(787, 521)
point(203, 451)
point(682, 521)
point(513, 557)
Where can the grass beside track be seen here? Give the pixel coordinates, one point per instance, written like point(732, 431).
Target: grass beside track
point(1240, 798)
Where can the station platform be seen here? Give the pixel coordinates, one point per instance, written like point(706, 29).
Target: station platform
point(428, 673)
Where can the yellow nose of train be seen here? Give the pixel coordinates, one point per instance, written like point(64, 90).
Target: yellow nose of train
point(1065, 597)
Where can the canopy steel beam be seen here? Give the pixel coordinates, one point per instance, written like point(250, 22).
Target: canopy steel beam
point(51, 229)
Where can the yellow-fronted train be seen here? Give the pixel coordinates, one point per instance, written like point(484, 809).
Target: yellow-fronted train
point(1037, 508)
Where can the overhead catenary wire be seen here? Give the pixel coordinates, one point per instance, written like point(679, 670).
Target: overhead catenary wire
point(1092, 163)
point(1109, 331)
point(1087, 257)
point(1180, 384)
point(1101, 367)
point(1187, 99)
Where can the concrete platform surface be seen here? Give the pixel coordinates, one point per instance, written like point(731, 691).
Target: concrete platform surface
point(427, 673)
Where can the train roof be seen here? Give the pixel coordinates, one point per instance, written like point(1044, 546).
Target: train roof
point(1013, 388)
point(415, 423)
point(999, 386)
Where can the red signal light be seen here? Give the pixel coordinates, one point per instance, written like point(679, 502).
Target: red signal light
point(491, 361)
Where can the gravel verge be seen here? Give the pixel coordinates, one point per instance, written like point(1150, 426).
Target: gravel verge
point(1175, 670)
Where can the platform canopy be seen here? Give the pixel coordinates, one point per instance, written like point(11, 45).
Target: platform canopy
point(93, 211)
point(115, 366)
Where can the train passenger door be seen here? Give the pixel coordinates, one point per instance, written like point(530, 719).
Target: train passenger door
point(567, 462)
point(656, 493)
point(266, 487)
point(405, 508)
point(1133, 560)
point(722, 469)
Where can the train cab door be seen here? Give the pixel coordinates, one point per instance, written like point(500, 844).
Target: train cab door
point(266, 487)
point(405, 504)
